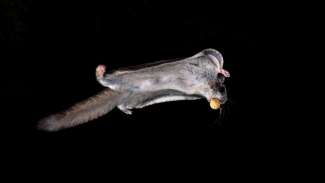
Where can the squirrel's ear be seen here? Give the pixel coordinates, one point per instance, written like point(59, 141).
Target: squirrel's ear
point(214, 53)
point(216, 62)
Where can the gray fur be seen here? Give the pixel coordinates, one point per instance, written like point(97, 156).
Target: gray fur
point(191, 78)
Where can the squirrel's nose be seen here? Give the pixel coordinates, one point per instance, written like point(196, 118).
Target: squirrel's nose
point(222, 89)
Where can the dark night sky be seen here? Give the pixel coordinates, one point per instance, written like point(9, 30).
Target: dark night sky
point(51, 50)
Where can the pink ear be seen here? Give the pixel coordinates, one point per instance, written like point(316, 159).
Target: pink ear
point(225, 73)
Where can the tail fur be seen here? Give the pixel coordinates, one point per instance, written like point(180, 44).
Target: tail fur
point(82, 112)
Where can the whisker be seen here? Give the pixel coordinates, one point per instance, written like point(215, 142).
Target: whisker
point(218, 120)
point(224, 112)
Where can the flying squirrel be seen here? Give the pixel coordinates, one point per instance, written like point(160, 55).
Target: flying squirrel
point(196, 77)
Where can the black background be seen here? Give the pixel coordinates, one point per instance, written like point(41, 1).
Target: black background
point(51, 50)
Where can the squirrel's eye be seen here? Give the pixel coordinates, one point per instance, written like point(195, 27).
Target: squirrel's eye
point(221, 77)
